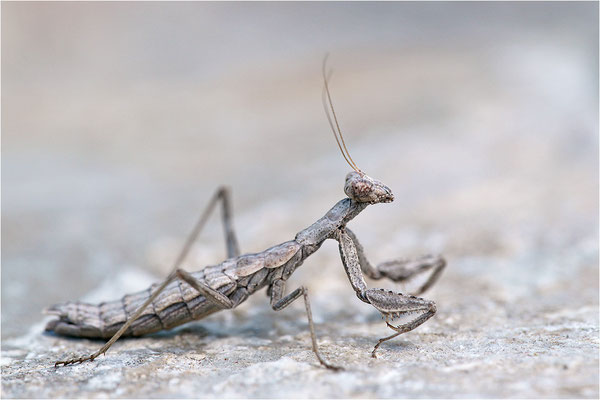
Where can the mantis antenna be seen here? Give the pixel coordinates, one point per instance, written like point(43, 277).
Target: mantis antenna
point(327, 98)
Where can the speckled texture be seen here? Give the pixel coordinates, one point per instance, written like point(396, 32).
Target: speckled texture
point(482, 118)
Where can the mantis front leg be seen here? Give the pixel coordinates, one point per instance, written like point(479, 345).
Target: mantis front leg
point(400, 270)
point(390, 304)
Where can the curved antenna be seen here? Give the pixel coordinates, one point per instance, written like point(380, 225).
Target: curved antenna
point(325, 107)
point(327, 96)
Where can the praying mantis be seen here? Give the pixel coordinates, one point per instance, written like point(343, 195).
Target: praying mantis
point(187, 296)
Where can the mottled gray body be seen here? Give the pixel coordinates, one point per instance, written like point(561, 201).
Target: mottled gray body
point(179, 302)
point(184, 296)
point(237, 278)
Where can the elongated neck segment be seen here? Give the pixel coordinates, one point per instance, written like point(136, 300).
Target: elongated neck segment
point(338, 216)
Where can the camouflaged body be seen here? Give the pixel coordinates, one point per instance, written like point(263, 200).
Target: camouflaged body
point(237, 278)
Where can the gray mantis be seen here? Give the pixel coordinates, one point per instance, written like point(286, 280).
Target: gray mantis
point(185, 296)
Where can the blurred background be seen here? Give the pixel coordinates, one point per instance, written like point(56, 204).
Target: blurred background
point(119, 121)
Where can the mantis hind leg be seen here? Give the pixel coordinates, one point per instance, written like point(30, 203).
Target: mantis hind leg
point(233, 250)
point(212, 295)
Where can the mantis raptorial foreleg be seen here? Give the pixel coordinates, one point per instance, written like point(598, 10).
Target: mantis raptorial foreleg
point(403, 328)
point(390, 304)
point(279, 302)
point(400, 270)
point(406, 269)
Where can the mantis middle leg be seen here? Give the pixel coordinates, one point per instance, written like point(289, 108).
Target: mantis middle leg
point(279, 302)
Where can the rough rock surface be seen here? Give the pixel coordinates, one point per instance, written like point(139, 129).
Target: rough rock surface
point(483, 119)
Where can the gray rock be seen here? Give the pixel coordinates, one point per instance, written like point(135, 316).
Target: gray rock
point(482, 118)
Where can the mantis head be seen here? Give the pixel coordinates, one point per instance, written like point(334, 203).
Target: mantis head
point(364, 189)
point(359, 186)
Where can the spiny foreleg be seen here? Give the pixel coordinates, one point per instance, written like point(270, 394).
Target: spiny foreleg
point(391, 305)
point(401, 269)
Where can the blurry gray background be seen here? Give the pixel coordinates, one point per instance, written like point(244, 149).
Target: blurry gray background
point(119, 120)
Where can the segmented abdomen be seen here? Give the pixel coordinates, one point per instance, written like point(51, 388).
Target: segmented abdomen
point(177, 304)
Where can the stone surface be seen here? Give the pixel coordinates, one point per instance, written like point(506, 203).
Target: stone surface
point(483, 119)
